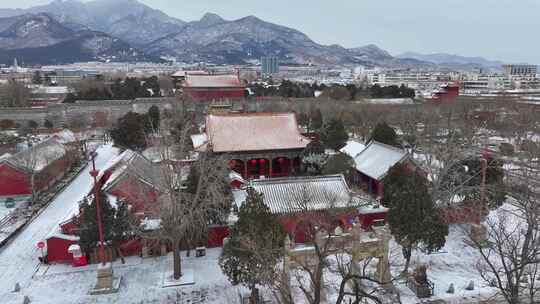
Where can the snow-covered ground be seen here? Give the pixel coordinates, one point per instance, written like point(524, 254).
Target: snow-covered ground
point(19, 259)
point(455, 263)
point(141, 283)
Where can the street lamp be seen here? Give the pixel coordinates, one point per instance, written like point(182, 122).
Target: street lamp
point(94, 173)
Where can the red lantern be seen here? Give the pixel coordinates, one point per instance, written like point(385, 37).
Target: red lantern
point(281, 160)
point(253, 162)
point(262, 161)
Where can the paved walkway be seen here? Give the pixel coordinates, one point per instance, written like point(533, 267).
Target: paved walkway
point(19, 259)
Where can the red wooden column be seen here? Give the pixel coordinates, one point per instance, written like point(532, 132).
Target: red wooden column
point(271, 173)
point(289, 167)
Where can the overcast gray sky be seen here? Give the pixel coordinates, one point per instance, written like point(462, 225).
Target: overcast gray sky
point(506, 30)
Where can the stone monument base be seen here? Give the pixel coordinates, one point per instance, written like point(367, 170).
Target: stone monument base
point(106, 282)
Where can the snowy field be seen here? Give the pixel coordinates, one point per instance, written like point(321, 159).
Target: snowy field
point(19, 259)
point(455, 263)
point(141, 283)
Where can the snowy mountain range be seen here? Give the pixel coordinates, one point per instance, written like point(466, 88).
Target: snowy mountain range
point(41, 39)
point(211, 39)
point(453, 61)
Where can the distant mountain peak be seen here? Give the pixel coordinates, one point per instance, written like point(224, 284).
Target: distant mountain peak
point(453, 60)
point(251, 18)
point(129, 20)
point(372, 51)
point(211, 19)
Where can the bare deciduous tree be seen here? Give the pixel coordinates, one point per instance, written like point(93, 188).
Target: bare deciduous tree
point(511, 254)
point(330, 265)
point(185, 215)
point(14, 94)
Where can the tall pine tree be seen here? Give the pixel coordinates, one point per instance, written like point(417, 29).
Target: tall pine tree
point(130, 132)
point(334, 135)
point(255, 245)
point(413, 218)
point(316, 118)
point(385, 134)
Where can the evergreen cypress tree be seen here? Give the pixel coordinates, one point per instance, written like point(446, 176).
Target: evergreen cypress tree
point(48, 124)
point(254, 246)
point(89, 231)
point(314, 158)
point(121, 226)
point(413, 218)
point(130, 132)
point(334, 135)
point(339, 164)
point(385, 134)
point(316, 120)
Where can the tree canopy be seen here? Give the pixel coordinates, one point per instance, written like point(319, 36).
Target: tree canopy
point(413, 218)
point(334, 135)
point(339, 164)
point(254, 246)
point(385, 134)
point(115, 221)
point(89, 231)
point(129, 132)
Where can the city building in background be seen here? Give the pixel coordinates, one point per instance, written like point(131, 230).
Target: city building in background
point(520, 69)
point(269, 65)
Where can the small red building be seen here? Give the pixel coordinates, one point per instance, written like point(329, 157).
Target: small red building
point(57, 247)
point(447, 93)
point(373, 163)
point(41, 165)
point(213, 87)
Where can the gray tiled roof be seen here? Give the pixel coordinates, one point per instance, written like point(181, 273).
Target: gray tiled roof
point(300, 194)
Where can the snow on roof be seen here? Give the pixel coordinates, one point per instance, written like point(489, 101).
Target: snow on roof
point(235, 176)
point(372, 209)
point(150, 224)
point(50, 90)
point(57, 233)
point(353, 148)
point(377, 158)
point(39, 156)
point(65, 136)
point(199, 141)
point(300, 194)
point(74, 248)
point(183, 73)
point(134, 163)
point(254, 132)
point(213, 81)
point(5, 156)
point(115, 162)
point(390, 101)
